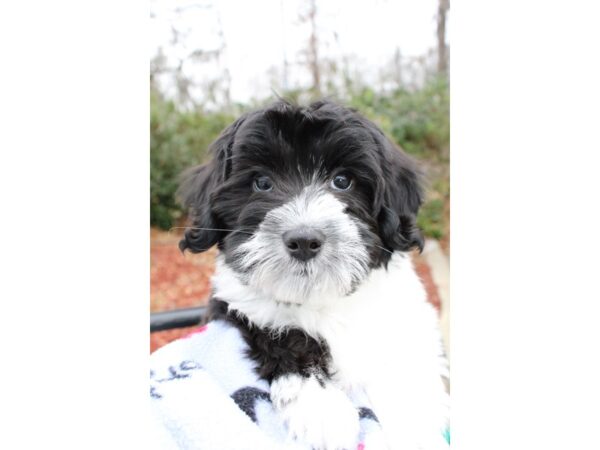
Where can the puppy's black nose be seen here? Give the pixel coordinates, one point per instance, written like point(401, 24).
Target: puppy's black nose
point(303, 244)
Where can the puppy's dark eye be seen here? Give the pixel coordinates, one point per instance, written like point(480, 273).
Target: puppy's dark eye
point(263, 184)
point(341, 182)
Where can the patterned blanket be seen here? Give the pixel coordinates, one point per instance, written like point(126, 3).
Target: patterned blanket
point(205, 395)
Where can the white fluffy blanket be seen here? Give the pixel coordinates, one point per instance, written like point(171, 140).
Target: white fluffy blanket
point(205, 395)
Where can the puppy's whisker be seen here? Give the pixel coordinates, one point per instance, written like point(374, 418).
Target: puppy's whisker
point(211, 229)
point(383, 248)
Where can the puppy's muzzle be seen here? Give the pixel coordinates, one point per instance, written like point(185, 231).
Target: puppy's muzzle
point(303, 244)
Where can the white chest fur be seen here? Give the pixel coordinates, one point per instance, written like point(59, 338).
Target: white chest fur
point(383, 338)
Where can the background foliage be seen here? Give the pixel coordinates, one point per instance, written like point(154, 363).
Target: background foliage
point(417, 119)
point(178, 140)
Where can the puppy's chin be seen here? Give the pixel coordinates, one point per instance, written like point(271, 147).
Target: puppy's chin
point(298, 284)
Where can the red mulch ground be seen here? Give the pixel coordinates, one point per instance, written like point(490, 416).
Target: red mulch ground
point(425, 274)
point(176, 280)
point(183, 280)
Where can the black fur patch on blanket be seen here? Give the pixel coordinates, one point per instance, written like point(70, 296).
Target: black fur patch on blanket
point(367, 413)
point(246, 399)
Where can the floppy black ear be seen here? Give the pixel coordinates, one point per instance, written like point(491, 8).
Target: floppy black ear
point(196, 190)
point(198, 183)
point(401, 197)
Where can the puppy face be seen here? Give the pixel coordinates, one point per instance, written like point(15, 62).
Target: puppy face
point(303, 202)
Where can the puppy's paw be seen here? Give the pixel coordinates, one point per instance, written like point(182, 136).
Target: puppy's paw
point(321, 416)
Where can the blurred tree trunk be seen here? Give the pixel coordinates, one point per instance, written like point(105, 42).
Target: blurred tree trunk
point(313, 48)
point(398, 67)
point(442, 63)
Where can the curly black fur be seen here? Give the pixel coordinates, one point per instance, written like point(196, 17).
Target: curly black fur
point(319, 138)
point(292, 351)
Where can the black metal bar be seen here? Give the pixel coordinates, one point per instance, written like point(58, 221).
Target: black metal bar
point(177, 318)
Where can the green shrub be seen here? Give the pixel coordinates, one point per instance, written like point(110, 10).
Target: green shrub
point(417, 119)
point(178, 140)
point(431, 218)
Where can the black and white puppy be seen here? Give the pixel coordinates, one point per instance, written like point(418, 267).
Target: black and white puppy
point(313, 210)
